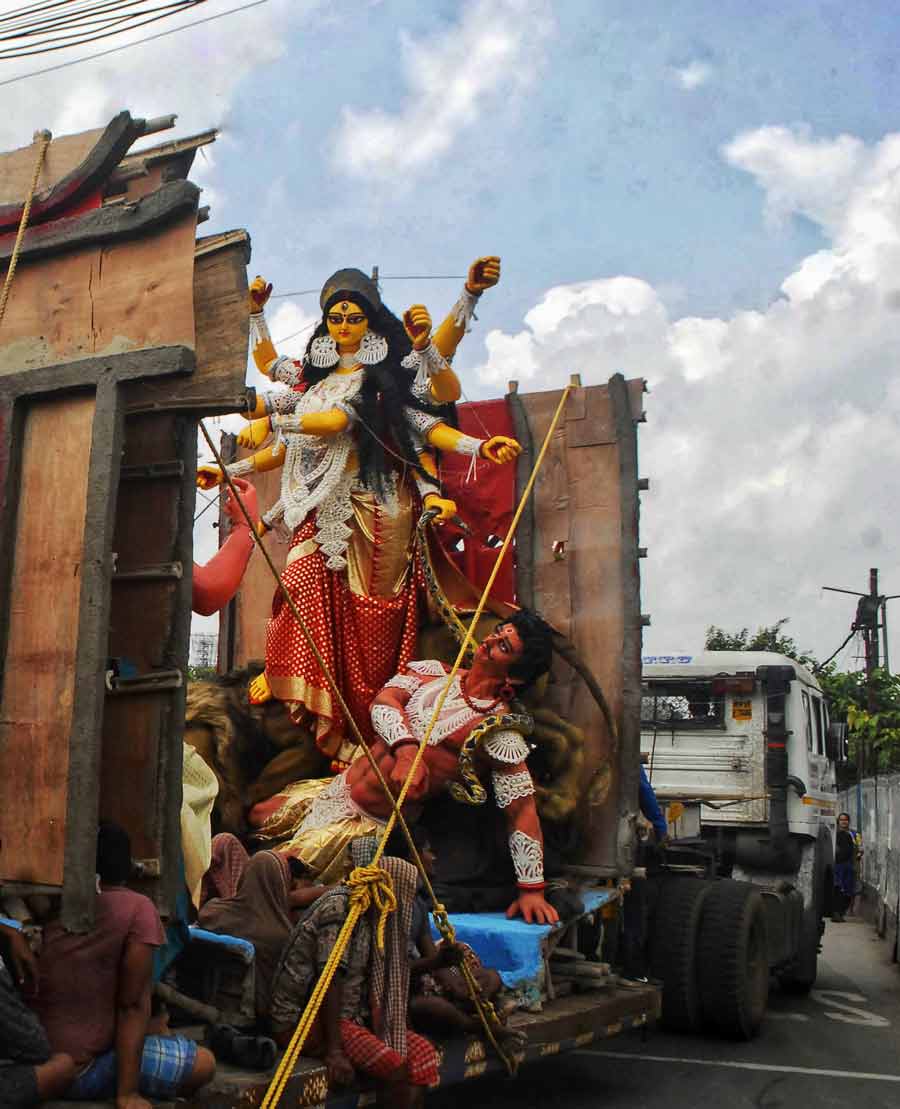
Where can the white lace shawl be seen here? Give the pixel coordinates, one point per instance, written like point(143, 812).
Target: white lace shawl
point(315, 474)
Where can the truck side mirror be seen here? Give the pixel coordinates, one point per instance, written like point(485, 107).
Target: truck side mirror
point(837, 747)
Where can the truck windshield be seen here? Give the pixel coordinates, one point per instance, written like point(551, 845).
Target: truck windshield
point(683, 704)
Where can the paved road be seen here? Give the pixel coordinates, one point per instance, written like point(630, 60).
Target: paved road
point(839, 1047)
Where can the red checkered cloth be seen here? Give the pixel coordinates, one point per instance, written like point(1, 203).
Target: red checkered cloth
point(373, 1056)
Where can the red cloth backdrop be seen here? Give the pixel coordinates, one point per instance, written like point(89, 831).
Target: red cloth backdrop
point(486, 502)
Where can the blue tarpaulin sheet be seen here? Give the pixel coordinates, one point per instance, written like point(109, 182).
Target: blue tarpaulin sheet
point(244, 948)
point(511, 947)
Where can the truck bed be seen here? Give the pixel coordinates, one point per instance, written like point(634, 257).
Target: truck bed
point(564, 1024)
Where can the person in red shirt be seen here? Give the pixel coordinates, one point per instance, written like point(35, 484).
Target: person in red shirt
point(94, 995)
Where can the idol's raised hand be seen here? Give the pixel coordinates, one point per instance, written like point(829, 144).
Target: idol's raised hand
point(484, 273)
point(258, 294)
point(208, 476)
point(417, 321)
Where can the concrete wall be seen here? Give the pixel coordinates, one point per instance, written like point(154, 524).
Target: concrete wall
point(874, 807)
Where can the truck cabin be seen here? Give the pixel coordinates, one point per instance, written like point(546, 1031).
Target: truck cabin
point(709, 723)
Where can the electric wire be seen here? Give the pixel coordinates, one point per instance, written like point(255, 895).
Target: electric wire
point(17, 26)
point(382, 277)
point(821, 666)
point(113, 22)
point(128, 45)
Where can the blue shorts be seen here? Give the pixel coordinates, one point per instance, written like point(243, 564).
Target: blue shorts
point(166, 1063)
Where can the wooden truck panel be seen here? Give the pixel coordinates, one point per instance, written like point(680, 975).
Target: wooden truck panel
point(121, 330)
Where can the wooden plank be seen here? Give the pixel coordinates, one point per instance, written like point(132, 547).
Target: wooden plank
point(553, 522)
point(63, 155)
point(578, 501)
point(102, 225)
point(102, 300)
point(74, 166)
point(129, 770)
point(149, 630)
point(222, 322)
point(39, 672)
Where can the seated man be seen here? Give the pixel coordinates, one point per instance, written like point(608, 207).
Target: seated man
point(28, 1072)
point(362, 1024)
point(440, 1000)
point(475, 736)
point(94, 996)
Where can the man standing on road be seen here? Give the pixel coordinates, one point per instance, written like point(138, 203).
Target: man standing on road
point(638, 907)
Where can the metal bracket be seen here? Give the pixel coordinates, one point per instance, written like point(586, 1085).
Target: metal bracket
point(157, 571)
point(159, 681)
point(153, 470)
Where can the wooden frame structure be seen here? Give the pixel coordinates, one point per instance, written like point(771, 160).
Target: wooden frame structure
point(122, 328)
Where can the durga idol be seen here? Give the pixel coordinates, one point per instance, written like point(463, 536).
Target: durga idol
point(355, 436)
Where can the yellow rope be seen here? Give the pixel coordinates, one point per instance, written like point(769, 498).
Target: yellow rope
point(484, 1009)
point(295, 1046)
point(43, 140)
point(367, 884)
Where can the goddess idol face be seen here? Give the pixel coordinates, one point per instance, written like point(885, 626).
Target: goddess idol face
point(347, 323)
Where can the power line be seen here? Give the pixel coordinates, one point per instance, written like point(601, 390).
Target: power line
point(84, 12)
point(128, 45)
point(130, 21)
point(822, 665)
point(382, 277)
point(62, 30)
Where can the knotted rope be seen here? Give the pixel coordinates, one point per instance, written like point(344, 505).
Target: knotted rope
point(43, 140)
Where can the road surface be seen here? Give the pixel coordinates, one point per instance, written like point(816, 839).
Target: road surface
point(838, 1047)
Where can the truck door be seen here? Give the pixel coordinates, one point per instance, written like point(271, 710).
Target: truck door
point(819, 773)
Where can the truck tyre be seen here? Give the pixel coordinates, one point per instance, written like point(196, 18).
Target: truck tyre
point(801, 975)
point(733, 959)
point(673, 951)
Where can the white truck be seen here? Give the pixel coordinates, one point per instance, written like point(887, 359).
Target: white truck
point(741, 757)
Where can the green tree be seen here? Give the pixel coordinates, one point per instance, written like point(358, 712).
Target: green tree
point(874, 734)
point(201, 673)
point(771, 638)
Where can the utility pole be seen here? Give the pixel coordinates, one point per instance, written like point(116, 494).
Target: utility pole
point(867, 622)
point(871, 616)
point(869, 608)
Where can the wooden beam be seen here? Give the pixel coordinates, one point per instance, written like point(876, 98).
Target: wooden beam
point(77, 180)
point(132, 364)
point(175, 199)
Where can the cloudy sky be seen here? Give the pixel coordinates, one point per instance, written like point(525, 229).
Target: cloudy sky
point(683, 191)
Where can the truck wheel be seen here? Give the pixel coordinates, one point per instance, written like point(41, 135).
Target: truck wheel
point(733, 959)
point(801, 976)
point(673, 953)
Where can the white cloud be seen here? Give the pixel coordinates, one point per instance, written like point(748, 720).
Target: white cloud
point(454, 78)
point(770, 433)
point(801, 175)
point(692, 75)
